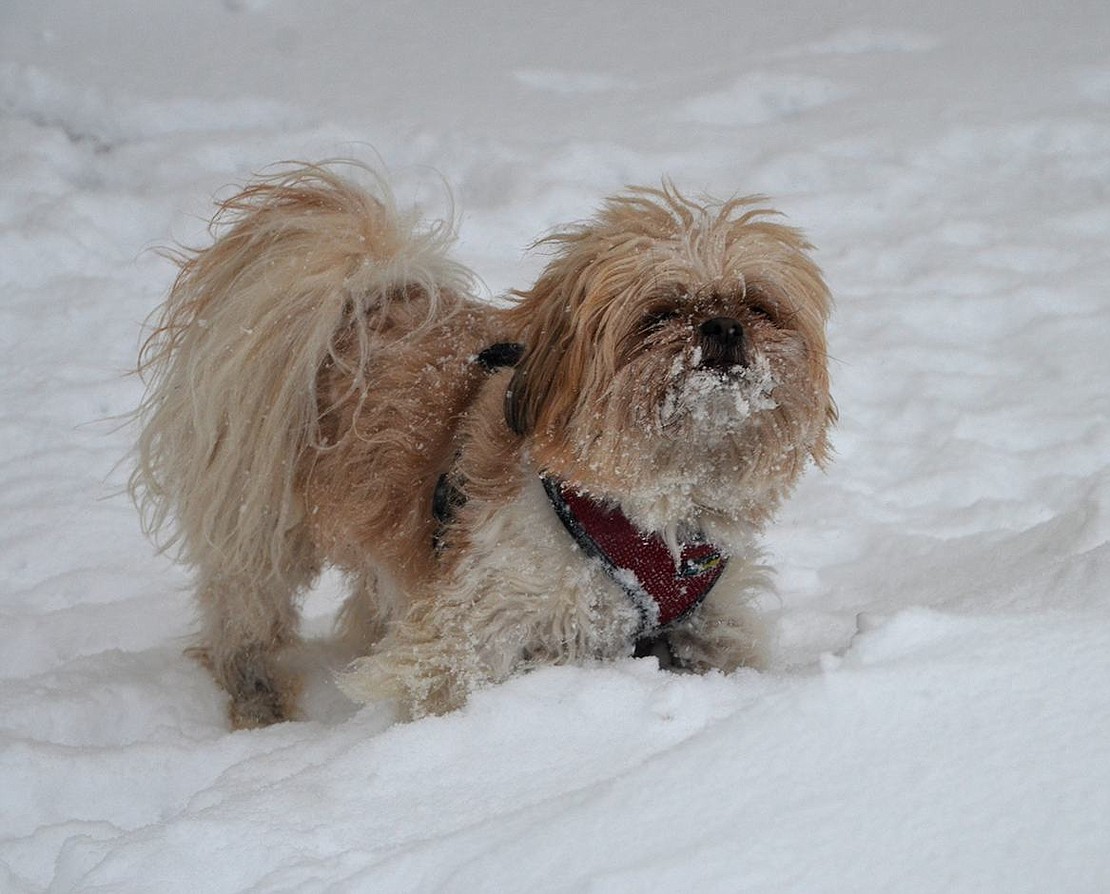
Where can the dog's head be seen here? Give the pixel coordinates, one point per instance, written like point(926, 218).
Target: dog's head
point(675, 358)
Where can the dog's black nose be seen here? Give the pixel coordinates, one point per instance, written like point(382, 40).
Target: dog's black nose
point(723, 329)
point(722, 341)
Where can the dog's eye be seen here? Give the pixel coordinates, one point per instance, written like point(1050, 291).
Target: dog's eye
point(761, 311)
point(656, 320)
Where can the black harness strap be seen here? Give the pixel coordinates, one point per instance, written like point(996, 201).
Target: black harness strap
point(500, 355)
point(448, 497)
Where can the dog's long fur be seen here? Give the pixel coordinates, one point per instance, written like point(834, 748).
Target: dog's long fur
point(313, 375)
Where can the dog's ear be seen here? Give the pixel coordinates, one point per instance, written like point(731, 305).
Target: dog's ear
point(554, 320)
point(517, 416)
point(821, 451)
point(529, 391)
point(497, 357)
point(542, 321)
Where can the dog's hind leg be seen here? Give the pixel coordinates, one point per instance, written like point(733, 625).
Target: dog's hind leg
point(250, 629)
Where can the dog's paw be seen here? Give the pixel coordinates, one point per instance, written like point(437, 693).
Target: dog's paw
point(367, 680)
point(262, 690)
point(725, 647)
point(263, 707)
point(420, 687)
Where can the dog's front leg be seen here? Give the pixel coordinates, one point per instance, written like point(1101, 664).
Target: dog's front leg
point(482, 629)
point(431, 659)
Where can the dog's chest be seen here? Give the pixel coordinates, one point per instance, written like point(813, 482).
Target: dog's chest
point(529, 581)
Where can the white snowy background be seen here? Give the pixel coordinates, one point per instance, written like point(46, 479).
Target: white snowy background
point(938, 719)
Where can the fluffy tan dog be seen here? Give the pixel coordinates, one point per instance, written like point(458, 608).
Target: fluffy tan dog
point(579, 476)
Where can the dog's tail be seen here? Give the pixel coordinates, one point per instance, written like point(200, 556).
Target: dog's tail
point(233, 360)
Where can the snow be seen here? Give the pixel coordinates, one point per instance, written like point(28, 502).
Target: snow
point(937, 715)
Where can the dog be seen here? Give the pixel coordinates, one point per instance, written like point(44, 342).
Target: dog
point(580, 475)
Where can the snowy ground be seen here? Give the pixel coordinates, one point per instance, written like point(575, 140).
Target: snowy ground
point(952, 163)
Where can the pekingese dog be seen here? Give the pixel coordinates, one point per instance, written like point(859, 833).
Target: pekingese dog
point(578, 476)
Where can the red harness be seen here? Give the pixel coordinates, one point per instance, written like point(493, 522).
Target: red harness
point(664, 591)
